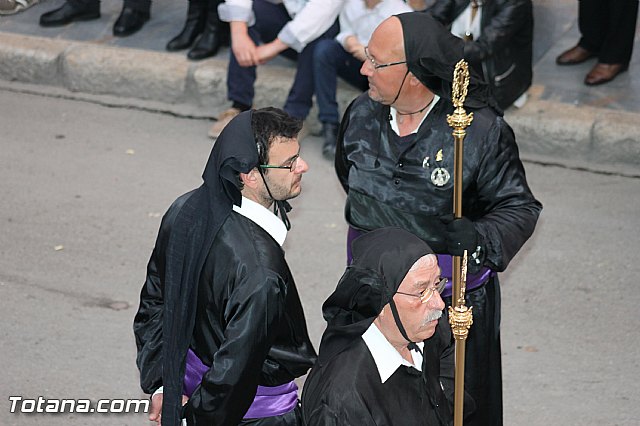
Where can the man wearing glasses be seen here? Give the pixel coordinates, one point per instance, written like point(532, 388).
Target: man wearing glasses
point(386, 356)
point(395, 160)
point(220, 325)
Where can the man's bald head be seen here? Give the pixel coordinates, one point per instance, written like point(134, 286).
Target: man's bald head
point(388, 36)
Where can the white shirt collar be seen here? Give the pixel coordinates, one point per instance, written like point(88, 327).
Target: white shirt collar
point(386, 357)
point(394, 122)
point(264, 218)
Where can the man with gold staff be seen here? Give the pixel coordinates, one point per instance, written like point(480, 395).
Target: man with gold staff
point(395, 160)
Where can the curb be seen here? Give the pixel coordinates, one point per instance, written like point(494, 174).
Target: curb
point(597, 136)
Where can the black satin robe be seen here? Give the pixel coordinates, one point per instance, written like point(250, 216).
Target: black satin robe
point(385, 189)
point(249, 326)
point(347, 390)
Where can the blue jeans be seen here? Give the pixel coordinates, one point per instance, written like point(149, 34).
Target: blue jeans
point(331, 61)
point(270, 18)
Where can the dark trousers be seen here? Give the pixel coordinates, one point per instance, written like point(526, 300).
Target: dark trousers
point(141, 5)
point(270, 18)
point(331, 61)
point(608, 28)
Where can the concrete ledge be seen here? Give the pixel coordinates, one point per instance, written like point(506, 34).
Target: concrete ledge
point(577, 133)
point(550, 128)
point(30, 59)
point(616, 138)
point(125, 72)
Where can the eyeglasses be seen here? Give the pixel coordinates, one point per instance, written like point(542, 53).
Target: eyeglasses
point(428, 292)
point(291, 165)
point(377, 66)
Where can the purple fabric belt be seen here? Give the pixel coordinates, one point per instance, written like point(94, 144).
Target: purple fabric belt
point(269, 400)
point(273, 401)
point(446, 266)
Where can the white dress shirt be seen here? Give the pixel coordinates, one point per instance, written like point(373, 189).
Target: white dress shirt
point(264, 218)
point(386, 357)
point(356, 20)
point(310, 18)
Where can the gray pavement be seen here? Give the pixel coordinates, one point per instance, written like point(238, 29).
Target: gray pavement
point(83, 192)
point(564, 121)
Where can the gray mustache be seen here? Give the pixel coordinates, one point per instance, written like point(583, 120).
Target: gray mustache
point(433, 315)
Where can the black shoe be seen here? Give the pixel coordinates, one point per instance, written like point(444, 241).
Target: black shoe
point(211, 39)
point(129, 21)
point(196, 19)
point(330, 135)
point(68, 13)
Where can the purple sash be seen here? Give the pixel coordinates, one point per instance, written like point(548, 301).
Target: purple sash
point(273, 401)
point(269, 401)
point(446, 266)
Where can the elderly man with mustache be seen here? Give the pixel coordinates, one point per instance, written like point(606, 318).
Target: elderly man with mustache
point(386, 356)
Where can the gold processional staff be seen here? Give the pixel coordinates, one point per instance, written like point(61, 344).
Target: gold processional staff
point(460, 316)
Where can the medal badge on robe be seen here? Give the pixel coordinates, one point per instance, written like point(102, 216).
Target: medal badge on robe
point(439, 176)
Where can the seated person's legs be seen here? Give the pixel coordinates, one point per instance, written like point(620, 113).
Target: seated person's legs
point(332, 61)
point(270, 18)
point(299, 100)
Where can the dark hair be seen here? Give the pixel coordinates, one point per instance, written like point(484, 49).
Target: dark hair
point(270, 123)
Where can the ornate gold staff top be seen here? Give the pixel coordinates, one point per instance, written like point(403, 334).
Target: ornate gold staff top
point(460, 317)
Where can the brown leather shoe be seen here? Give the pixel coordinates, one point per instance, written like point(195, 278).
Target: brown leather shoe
point(603, 73)
point(575, 55)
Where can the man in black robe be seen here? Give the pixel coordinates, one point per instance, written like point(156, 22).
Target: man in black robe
point(395, 160)
point(385, 357)
point(220, 320)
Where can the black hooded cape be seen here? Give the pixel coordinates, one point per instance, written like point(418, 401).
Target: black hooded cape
point(164, 323)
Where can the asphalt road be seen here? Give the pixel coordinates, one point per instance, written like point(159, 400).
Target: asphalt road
point(83, 187)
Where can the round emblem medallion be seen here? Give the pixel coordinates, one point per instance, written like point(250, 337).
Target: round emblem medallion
point(440, 176)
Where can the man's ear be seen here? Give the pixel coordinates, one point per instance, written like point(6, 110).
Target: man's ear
point(413, 80)
point(250, 179)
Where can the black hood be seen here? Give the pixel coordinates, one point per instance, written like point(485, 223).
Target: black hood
point(432, 53)
point(381, 259)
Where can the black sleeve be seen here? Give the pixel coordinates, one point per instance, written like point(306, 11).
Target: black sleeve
point(341, 163)
point(511, 17)
point(147, 324)
point(252, 315)
point(511, 210)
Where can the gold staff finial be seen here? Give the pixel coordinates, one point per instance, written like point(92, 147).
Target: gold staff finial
point(460, 120)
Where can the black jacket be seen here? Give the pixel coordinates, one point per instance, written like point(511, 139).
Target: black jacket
point(504, 50)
